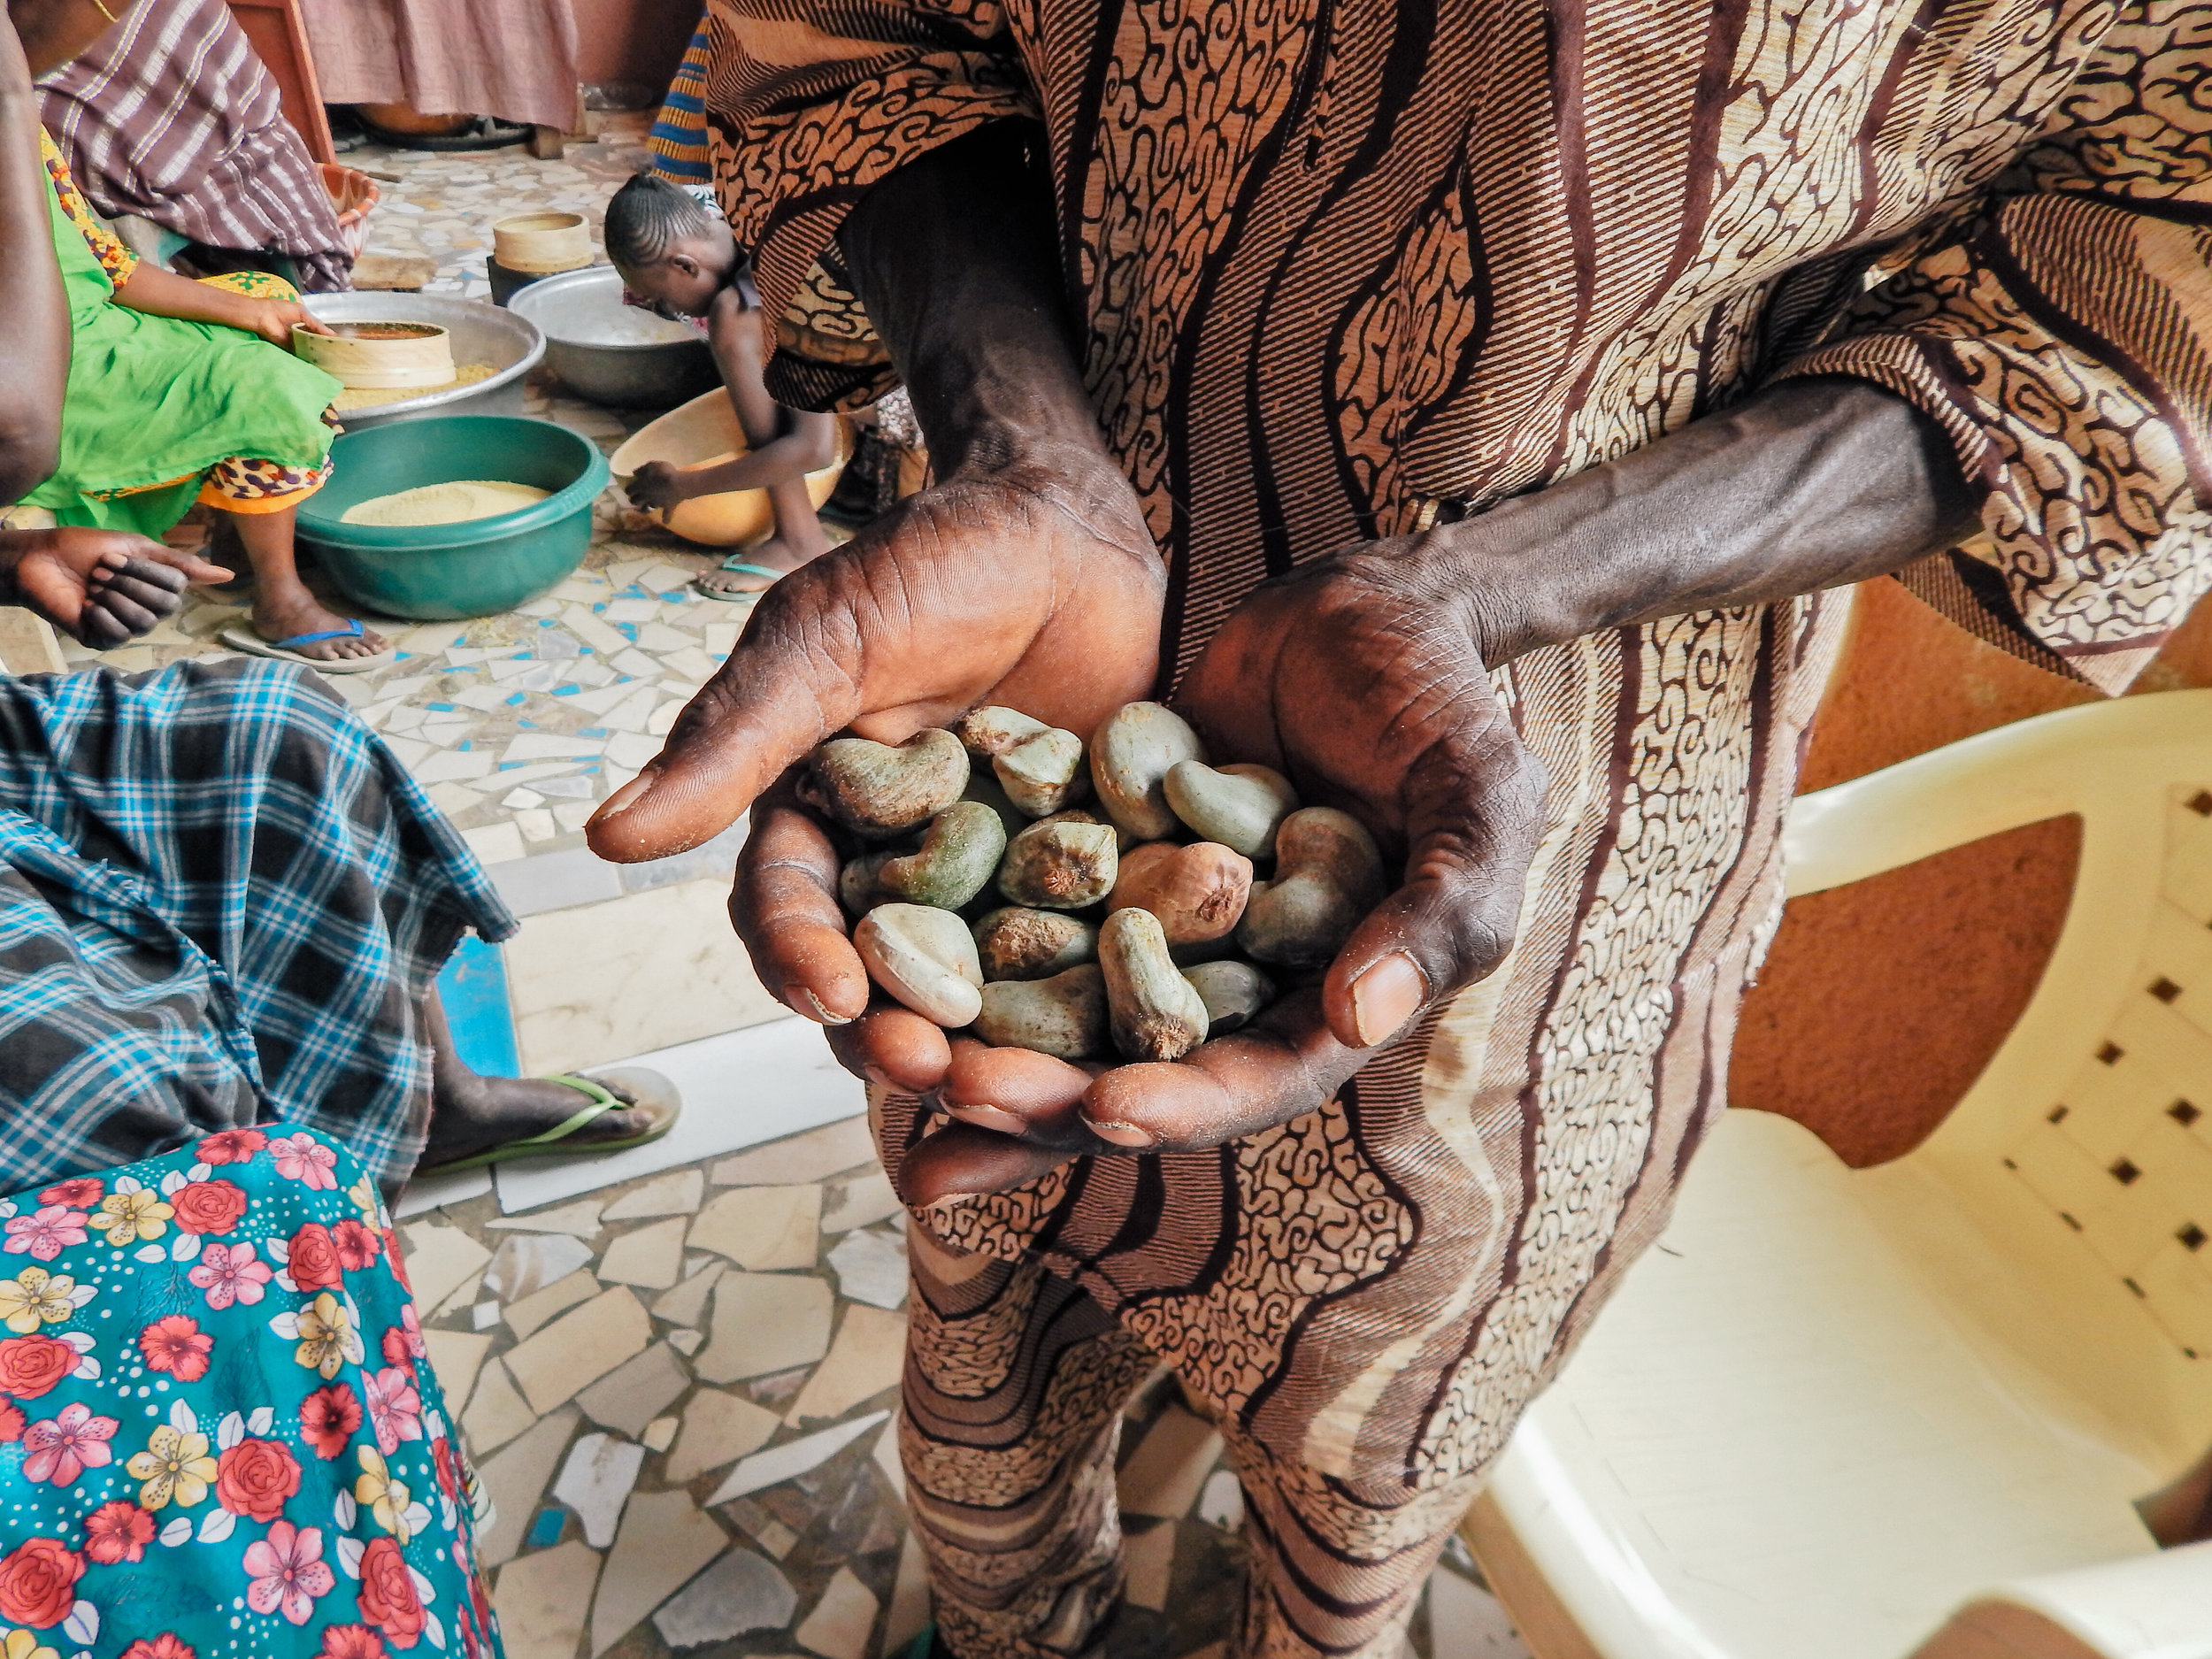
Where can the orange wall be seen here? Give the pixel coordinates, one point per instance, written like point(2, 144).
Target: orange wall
point(1881, 1002)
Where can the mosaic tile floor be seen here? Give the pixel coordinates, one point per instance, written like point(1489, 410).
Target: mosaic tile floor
point(679, 1388)
point(678, 1381)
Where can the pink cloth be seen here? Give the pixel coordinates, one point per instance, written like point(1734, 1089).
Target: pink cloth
point(515, 59)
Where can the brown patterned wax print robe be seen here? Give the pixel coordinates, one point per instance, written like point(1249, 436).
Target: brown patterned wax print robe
point(1344, 267)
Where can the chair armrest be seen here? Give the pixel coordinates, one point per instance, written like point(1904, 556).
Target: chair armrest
point(2153, 1606)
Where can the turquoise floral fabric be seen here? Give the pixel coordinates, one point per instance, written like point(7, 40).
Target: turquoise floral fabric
point(218, 1435)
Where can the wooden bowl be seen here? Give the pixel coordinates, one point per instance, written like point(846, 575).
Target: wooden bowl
point(380, 356)
point(542, 243)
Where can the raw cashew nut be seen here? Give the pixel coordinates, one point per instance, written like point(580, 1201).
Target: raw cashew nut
point(1328, 875)
point(1239, 806)
point(859, 887)
point(1196, 892)
point(991, 731)
point(881, 791)
point(1233, 993)
point(957, 857)
point(1043, 772)
point(1131, 755)
point(1014, 943)
point(1060, 863)
point(1157, 1013)
point(1064, 1015)
point(924, 957)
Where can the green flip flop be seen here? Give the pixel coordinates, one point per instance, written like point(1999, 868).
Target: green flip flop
point(739, 567)
point(655, 1095)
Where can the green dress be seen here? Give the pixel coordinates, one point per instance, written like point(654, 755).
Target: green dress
point(157, 401)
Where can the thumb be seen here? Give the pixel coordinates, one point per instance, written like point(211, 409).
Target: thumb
point(792, 679)
point(1474, 814)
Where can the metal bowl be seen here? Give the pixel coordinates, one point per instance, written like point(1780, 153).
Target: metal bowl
point(606, 350)
point(481, 333)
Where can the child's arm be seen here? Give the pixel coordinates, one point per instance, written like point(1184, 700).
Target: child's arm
point(784, 443)
point(159, 293)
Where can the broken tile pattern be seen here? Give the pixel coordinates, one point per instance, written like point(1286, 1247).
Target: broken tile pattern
point(750, 1412)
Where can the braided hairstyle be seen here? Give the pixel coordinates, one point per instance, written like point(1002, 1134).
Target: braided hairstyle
point(646, 217)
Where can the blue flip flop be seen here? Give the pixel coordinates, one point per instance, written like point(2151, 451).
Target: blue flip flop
point(288, 650)
point(739, 567)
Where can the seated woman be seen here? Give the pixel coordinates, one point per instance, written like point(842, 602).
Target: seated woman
point(180, 390)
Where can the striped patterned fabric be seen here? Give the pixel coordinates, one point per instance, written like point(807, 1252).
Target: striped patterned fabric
point(172, 117)
point(678, 138)
point(222, 902)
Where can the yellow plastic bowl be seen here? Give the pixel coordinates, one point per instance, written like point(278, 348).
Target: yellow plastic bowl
point(705, 432)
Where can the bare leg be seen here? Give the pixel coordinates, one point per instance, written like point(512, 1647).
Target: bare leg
point(471, 1113)
point(282, 606)
point(799, 537)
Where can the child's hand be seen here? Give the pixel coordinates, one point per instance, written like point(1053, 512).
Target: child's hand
point(657, 487)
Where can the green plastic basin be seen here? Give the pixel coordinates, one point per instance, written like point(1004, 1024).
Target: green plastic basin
point(471, 568)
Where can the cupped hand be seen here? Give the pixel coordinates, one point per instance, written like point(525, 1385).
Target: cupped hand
point(102, 588)
point(1371, 692)
point(1034, 585)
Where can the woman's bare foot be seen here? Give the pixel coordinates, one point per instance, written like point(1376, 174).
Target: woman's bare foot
point(778, 553)
point(282, 606)
point(281, 615)
point(471, 1114)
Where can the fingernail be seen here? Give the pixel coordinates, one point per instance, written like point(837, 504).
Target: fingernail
point(1124, 1136)
point(990, 1118)
point(951, 1200)
point(627, 796)
point(820, 1013)
point(1385, 996)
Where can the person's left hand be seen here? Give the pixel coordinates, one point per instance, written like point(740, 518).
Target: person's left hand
point(102, 588)
point(657, 487)
point(1372, 696)
point(274, 320)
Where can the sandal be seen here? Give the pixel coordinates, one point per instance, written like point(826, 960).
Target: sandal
point(650, 1092)
point(739, 567)
point(288, 650)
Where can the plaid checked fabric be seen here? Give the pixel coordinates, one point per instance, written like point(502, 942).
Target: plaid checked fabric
point(221, 903)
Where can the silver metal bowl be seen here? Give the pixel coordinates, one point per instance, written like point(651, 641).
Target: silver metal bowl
point(609, 352)
point(481, 332)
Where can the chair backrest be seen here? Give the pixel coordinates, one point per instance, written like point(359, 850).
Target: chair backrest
point(2085, 1148)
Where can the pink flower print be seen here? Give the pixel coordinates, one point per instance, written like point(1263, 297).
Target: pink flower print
point(394, 1408)
point(62, 1448)
point(302, 1157)
point(46, 1234)
point(228, 1273)
point(288, 1572)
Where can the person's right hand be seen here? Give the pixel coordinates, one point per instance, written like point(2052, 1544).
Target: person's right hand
point(1035, 585)
point(657, 487)
point(102, 588)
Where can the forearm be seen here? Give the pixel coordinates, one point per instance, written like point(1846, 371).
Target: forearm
point(158, 293)
point(954, 257)
point(1815, 484)
point(35, 324)
point(776, 462)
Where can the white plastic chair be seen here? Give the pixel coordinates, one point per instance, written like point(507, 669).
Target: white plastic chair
point(1907, 1410)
